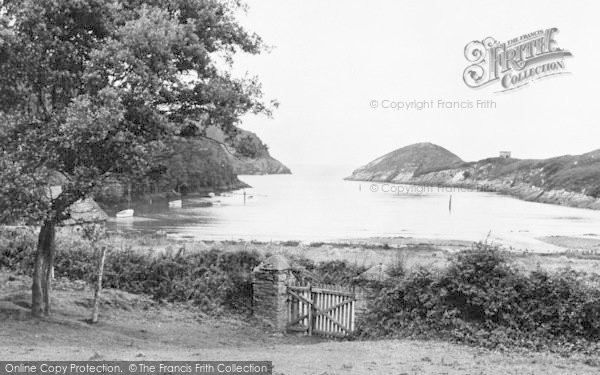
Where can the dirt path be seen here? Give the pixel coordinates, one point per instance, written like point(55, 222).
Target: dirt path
point(135, 328)
point(166, 342)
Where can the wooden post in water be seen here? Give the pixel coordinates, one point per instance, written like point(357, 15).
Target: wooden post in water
point(129, 195)
point(450, 204)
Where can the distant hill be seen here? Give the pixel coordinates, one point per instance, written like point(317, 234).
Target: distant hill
point(575, 173)
point(405, 162)
point(572, 180)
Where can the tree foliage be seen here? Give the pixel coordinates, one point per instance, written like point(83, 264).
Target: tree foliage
point(93, 89)
point(250, 146)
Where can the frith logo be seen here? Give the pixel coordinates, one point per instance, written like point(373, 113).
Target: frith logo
point(515, 63)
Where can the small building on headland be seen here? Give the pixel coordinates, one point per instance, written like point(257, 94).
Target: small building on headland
point(505, 154)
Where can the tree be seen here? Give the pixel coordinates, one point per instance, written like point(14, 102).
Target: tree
point(94, 233)
point(94, 89)
point(250, 146)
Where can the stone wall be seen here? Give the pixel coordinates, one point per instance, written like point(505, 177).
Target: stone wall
point(269, 280)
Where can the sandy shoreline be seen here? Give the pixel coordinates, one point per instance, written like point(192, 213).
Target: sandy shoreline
point(544, 244)
point(554, 253)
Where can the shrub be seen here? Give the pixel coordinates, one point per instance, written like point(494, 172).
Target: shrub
point(249, 146)
point(330, 272)
point(482, 299)
point(17, 246)
point(216, 281)
point(398, 267)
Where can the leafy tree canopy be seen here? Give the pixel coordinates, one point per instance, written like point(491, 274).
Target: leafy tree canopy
point(92, 89)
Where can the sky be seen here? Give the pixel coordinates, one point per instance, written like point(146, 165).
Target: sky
point(331, 58)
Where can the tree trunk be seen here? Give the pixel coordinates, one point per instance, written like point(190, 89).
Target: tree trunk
point(42, 270)
point(37, 295)
point(98, 285)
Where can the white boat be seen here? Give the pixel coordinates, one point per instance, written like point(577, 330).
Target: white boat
point(125, 213)
point(175, 204)
point(129, 211)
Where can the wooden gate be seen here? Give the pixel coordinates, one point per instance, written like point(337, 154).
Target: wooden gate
point(320, 309)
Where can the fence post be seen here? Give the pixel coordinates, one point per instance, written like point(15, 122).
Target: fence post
point(310, 310)
point(269, 289)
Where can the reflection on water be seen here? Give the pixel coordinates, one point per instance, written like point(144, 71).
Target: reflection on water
point(317, 204)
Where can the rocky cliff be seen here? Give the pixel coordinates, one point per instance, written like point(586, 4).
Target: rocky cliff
point(571, 180)
point(190, 166)
point(200, 164)
point(246, 153)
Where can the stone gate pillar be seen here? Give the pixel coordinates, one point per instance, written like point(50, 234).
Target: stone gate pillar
point(269, 280)
point(365, 293)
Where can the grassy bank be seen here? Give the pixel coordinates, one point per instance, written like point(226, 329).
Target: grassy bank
point(213, 279)
point(479, 296)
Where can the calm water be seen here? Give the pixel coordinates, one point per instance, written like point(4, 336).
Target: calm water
point(316, 204)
